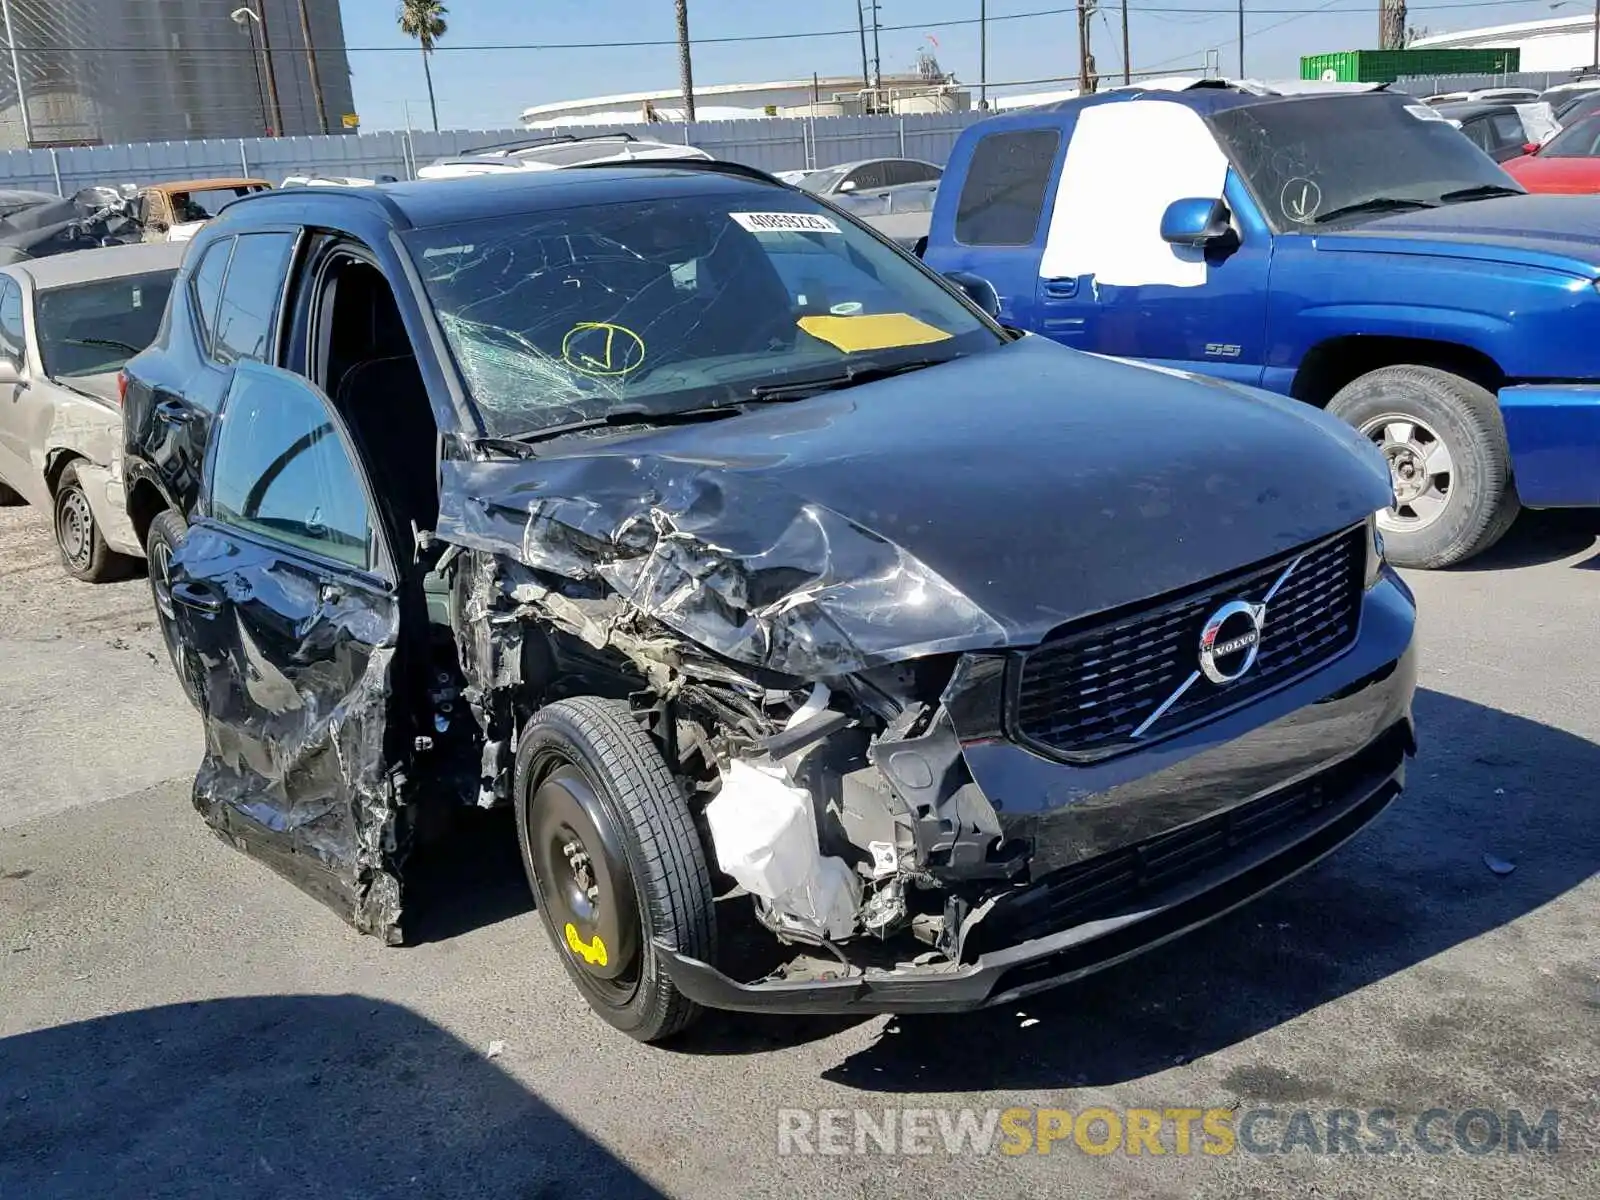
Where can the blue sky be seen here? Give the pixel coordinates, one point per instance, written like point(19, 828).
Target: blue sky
point(487, 88)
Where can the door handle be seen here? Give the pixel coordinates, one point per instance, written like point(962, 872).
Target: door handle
point(198, 597)
point(1061, 289)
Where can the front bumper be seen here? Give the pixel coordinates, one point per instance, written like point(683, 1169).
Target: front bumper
point(1553, 431)
point(1135, 851)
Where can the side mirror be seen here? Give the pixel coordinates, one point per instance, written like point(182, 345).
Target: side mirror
point(849, 185)
point(10, 373)
point(1194, 222)
point(977, 289)
point(1530, 147)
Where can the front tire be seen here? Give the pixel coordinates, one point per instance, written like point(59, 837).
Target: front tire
point(614, 860)
point(82, 547)
point(1448, 461)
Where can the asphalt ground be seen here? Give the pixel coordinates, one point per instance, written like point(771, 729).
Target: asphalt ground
point(175, 1020)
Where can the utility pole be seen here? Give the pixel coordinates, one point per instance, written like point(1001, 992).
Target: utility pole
point(16, 71)
point(685, 62)
point(983, 53)
point(311, 66)
point(1127, 76)
point(1241, 39)
point(861, 23)
point(1086, 73)
point(260, 11)
point(877, 59)
point(1392, 24)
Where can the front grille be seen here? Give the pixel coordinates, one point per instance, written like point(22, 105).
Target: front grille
point(1137, 875)
point(1084, 693)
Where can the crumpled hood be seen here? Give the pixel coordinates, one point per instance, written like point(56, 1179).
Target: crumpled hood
point(976, 504)
point(1517, 228)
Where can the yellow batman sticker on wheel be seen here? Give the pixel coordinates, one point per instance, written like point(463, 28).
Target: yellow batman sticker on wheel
point(593, 953)
point(601, 348)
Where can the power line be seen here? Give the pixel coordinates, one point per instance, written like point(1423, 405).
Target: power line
point(743, 39)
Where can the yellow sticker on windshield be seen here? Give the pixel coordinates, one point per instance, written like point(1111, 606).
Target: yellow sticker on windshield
point(880, 331)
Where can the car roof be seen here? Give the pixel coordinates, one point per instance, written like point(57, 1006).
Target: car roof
point(1467, 109)
point(430, 202)
point(199, 185)
point(1203, 96)
point(107, 262)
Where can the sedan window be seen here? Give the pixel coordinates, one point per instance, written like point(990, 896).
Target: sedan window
point(281, 469)
point(250, 296)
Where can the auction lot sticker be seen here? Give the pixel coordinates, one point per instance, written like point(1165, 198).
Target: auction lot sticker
point(784, 222)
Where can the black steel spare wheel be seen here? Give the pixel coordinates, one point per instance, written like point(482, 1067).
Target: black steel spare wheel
point(614, 860)
point(84, 552)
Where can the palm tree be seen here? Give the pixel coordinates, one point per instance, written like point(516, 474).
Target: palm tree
point(424, 20)
point(685, 69)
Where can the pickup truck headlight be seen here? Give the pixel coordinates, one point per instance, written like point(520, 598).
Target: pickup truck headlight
point(1374, 551)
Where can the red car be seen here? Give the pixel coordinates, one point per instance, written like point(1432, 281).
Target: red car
point(1568, 162)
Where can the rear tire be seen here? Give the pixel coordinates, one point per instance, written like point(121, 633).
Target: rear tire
point(614, 860)
point(1448, 461)
point(82, 547)
point(167, 532)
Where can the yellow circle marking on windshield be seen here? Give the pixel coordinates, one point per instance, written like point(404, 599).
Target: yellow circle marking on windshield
point(601, 348)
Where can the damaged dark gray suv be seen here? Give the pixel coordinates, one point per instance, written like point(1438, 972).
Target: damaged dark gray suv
point(837, 649)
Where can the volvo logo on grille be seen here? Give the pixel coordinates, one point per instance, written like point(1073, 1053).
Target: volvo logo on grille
point(1231, 640)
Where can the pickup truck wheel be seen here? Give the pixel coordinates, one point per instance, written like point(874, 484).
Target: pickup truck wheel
point(167, 532)
point(1446, 447)
point(614, 860)
point(83, 550)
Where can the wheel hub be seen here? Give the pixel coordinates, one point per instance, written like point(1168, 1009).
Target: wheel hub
point(76, 528)
point(1421, 471)
point(585, 885)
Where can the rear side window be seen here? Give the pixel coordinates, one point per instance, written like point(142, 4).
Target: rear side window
point(250, 296)
point(205, 288)
point(13, 341)
point(1004, 192)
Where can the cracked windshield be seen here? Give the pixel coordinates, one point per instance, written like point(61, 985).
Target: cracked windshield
point(660, 306)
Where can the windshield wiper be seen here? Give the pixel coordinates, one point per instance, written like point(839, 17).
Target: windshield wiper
point(108, 342)
point(631, 415)
point(1374, 205)
point(1483, 191)
point(849, 377)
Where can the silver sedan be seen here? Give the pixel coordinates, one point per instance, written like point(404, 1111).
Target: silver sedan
point(67, 325)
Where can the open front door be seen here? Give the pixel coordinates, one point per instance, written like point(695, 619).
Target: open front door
point(287, 608)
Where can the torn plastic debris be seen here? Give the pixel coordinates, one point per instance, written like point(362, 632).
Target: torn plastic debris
point(722, 558)
point(765, 835)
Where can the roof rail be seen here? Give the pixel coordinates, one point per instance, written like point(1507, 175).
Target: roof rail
point(552, 140)
point(712, 165)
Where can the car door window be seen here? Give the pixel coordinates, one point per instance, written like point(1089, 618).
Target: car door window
point(205, 288)
point(13, 340)
point(873, 175)
point(281, 468)
point(1508, 131)
point(1480, 135)
point(251, 295)
point(1004, 192)
point(921, 172)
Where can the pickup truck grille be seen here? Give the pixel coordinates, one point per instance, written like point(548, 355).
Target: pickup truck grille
point(1084, 692)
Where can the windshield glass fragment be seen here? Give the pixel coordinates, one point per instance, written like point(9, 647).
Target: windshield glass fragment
point(660, 306)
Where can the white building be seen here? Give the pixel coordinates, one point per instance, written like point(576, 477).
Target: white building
point(828, 95)
point(1555, 44)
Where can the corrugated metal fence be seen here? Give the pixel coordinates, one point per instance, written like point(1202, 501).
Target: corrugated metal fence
point(775, 145)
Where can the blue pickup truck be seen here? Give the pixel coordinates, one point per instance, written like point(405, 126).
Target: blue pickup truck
point(1350, 249)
